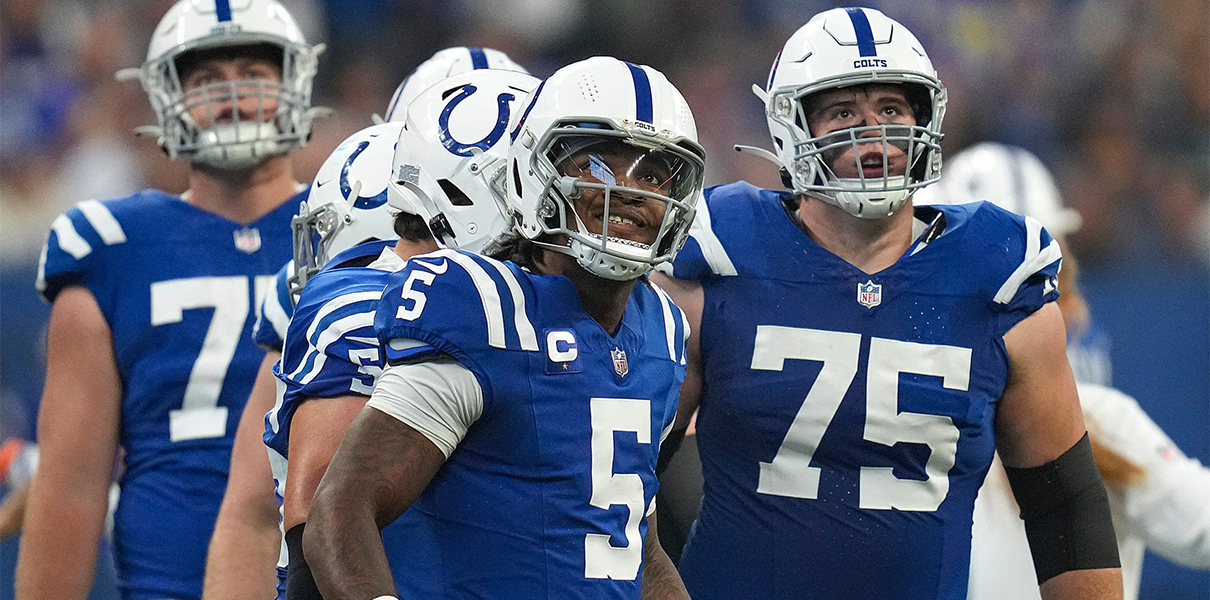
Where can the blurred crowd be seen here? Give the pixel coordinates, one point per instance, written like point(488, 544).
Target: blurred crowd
point(1113, 94)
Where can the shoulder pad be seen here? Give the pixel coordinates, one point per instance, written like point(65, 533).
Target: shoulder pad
point(456, 302)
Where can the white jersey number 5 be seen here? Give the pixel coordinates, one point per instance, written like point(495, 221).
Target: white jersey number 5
point(790, 472)
point(603, 560)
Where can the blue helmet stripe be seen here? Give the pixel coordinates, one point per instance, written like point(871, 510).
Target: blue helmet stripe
point(773, 72)
point(861, 27)
point(478, 58)
point(512, 137)
point(222, 8)
point(642, 93)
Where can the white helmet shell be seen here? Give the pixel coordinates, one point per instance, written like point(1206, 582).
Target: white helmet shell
point(445, 63)
point(840, 48)
point(606, 100)
point(282, 119)
point(1011, 178)
point(350, 202)
point(458, 131)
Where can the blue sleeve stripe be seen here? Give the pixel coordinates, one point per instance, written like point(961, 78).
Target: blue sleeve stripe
point(222, 9)
point(861, 27)
point(642, 93)
point(478, 58)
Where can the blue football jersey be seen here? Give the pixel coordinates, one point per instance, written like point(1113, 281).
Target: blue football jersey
point(846, 418)
point(273, 315)
point(330, 351)
point(547, 494)
point(178, 288)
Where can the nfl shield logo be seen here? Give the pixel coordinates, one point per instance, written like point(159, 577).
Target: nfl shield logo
point(247, 240)
point(619, 362)
point(869, 294)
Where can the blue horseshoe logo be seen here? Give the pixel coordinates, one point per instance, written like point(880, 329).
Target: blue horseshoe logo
point(362, 202)
point(460, 149)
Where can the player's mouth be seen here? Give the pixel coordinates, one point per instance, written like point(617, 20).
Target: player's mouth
point(627, 224)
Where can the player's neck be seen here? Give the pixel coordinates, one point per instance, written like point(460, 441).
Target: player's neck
point(406, 249)
point(868, 244)
point(603, 299)
point(242, 196)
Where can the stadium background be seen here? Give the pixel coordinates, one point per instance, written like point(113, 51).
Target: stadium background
point(1113, 94)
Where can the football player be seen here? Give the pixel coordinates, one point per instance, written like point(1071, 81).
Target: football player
point(448, 197)
point(519, 418)
point(860, 358)
point(247, 536)
point(153, 300)
point(1158, 494)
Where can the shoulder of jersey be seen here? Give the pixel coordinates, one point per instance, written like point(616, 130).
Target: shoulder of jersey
point(723, 228)
point(1007, 248)
point(80, 237)
point(457, 301)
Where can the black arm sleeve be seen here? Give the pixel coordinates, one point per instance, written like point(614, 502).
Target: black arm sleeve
point(300, 584)
point(1066, 513)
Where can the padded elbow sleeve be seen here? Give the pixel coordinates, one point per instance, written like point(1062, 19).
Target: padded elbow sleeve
point(1066, 513)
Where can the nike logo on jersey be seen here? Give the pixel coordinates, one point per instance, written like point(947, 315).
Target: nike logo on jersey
point(438, 269)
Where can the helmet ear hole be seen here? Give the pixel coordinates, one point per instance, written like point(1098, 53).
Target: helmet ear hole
point(516, 178)
point(454, 193)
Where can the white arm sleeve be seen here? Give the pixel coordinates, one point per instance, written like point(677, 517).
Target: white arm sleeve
point(1169, 507)
point(439, 398)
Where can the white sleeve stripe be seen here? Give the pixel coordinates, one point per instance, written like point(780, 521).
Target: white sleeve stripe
point(279, 391)
point(525, 329)
point(70, 240)
point(1033, 261)
point(326, 309)
point(489, 296)
point(669, 322)
point(712, 247)
point(40, 282)
point(276, 314)
point(333, 332)
point(103, 222)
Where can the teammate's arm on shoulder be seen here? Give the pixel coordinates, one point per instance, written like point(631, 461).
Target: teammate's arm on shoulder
point(688, 295)
point(240, 562)
point(1041, 438)
point(661, 581)
point(78, 427)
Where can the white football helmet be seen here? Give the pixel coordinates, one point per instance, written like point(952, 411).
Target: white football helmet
point(1009, 177)
point(457, 129)
point(199, 25)
point(839, 48)
point(587, 115)
point(445, 63)
point(350, 202)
